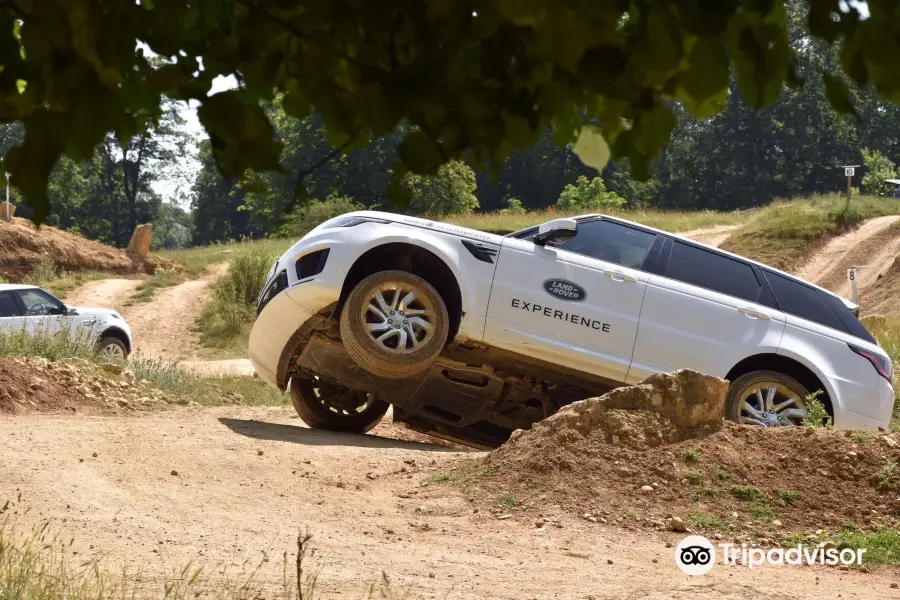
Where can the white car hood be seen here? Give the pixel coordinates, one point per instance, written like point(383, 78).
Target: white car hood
point(93, 311)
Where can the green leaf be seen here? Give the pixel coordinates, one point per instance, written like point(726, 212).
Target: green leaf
point(240, 134)
point(591, 147)
point(838, 95)
point(707, 74)
point(420, 153)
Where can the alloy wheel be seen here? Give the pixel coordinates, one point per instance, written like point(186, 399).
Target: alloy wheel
point(399, 317)
point(771, 404)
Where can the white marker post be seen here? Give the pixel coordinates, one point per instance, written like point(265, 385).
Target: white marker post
point(849, 172)
point(851, 277)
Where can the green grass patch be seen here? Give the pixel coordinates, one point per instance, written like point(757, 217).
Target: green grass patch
point(508, 500)
point(887, 476)
point(148, 288)
point(694, 477)
point(227, 316)
point(706, 521)
point(788, 496)
point(746, 492)
point(722, 475)
point(782, 233)
point(816, 413)
point(882, 545)
point(689, 455)
point(762, 513)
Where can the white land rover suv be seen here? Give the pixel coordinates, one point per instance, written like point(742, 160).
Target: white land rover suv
point(471, 335)
point(31, 309)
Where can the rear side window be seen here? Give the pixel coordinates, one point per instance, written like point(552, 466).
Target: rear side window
point(8, 305)
point(713, 271)
point(851, 323)
point(803, 301)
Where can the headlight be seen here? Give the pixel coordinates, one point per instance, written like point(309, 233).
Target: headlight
point(354, 221)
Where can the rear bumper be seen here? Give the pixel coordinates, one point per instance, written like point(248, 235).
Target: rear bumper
point(860, 408)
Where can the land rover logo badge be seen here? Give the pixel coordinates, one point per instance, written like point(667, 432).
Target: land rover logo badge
point(565, 290)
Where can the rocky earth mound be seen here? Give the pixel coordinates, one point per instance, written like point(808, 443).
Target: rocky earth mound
point(22, 245)
point(73, 385)
point(659, 455)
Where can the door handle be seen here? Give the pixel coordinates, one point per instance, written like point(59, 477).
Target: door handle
point(91, 322)
point(752, 313)
point(620, 277)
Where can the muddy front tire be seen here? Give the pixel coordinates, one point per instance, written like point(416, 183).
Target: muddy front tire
point(333, 407)
point(394, 324)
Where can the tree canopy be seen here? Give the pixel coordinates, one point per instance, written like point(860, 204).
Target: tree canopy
point(473, 78)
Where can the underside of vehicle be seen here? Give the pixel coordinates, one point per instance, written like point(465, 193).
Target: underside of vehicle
point(473, 394)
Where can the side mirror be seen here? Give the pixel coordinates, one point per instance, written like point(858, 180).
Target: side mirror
point(556, 231)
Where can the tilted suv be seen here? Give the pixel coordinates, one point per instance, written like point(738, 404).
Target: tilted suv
point(471, 335)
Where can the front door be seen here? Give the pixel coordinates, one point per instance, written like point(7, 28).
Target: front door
point(576, 304)
point(44, 314)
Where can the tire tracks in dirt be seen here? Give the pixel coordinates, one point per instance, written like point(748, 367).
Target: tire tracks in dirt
point(872, 245)
point(711, 236)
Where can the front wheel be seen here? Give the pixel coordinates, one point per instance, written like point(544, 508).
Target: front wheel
point(767, 399)
point(113, 349)
point(324, 405)
point(394, 324)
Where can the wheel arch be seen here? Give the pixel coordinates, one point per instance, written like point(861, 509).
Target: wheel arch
point(119, 334)
point(418, 260)
point(789, 366)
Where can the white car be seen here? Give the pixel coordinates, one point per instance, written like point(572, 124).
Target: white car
point(471, 335)
point(29, 308)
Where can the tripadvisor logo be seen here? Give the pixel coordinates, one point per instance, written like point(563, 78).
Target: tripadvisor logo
point(565, 290)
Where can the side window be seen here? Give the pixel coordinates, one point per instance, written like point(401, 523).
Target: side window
point(8, 305)
point(713, 271)
point(611, 242)
point(38, 302)
point(803, 301)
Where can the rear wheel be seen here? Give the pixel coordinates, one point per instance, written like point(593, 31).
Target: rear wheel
point(324, 405)
point(767, 399)
point(394, 324)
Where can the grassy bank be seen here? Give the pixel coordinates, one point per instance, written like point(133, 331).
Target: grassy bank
point(199, 257)
point(783, 233)
point(149, 287)
point(46, 275)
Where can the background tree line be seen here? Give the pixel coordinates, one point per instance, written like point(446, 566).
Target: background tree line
point(737, 159)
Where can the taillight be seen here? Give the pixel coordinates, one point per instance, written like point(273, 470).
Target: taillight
point(881, 363)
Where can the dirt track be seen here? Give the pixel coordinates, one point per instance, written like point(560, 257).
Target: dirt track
point(712, 236)
point(163, 327)
point(248, 479)
point(871, 243)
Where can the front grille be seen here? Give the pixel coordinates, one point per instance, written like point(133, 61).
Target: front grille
point(275, 287)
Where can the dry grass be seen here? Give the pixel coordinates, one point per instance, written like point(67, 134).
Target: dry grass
point(42, 566)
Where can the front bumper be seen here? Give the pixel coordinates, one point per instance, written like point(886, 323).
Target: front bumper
point(274, 327)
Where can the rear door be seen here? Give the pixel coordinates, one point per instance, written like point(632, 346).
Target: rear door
point(575, 304)
point(707, 312)
point(11, 319)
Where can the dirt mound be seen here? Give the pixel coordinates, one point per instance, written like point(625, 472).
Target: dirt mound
point(22, 245)
point(880, 298)
point(640, 455)
point(72, 385)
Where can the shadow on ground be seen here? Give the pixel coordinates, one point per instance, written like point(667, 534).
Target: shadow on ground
point(261, 430)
